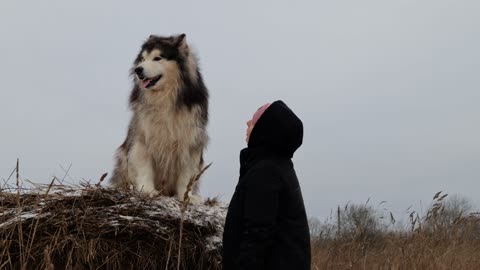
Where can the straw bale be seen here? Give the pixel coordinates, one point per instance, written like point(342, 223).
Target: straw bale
point(92, 227)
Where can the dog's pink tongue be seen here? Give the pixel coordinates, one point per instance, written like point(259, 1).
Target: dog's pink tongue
point(145, 83)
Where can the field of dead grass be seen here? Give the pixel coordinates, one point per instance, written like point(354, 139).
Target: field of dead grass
point(445, 238)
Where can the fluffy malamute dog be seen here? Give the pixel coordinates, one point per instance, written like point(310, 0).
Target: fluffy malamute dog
point(167, 133)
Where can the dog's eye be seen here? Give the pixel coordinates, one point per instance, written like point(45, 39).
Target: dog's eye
point(157, 58)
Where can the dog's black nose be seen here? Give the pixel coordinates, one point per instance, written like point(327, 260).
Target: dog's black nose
point(139, 72)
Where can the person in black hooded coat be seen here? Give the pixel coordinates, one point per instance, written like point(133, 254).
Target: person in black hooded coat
point(266, 225)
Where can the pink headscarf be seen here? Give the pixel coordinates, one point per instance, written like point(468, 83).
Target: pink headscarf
point(259, 113)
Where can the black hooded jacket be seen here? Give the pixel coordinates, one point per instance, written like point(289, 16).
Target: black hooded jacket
point(266, 225)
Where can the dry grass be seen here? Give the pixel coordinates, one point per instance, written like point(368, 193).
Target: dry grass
point(91, 227)
point(437, 240)
point(398, 252)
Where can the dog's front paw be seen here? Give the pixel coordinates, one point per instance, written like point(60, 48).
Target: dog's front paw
point(153, 193)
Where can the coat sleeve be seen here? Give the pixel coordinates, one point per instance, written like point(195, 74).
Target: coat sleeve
point(261, 206)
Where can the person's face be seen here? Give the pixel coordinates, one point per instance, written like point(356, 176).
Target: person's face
point(249, 129)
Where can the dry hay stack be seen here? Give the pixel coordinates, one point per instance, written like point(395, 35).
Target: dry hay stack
point(89, 227)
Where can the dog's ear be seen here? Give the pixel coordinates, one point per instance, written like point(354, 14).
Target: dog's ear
point(151, 36)
point(181, 41)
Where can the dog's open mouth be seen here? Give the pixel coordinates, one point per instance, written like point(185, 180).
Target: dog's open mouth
point(149, 82)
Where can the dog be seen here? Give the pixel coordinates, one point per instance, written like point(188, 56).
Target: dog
point(167, 132)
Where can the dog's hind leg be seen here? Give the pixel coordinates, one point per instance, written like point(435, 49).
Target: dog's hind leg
point(120, 175)
point(141, 167)
point(190, 170)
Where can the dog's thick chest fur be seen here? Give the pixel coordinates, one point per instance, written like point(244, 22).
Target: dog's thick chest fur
point(167, 134)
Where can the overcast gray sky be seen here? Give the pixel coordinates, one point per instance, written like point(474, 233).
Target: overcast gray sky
point(389, 91)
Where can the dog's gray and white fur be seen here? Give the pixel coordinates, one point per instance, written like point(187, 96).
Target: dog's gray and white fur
point(167, 133)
